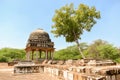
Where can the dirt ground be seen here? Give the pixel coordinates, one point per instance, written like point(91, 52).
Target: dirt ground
point(6, 73)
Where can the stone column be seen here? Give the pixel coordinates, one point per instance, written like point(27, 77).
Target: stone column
point(28, 56)
point(40, 54)
point(46, 54)
point(32, 55)
point(50, 55)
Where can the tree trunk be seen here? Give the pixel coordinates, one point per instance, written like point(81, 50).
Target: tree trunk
point(77, 42)
point(80, 49)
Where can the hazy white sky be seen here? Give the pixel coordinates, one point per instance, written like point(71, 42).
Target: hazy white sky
point(18, 18)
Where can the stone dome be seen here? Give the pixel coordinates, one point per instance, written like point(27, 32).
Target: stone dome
point(39, 34)
point(39, 38)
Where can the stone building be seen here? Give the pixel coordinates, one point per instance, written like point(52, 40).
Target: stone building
point(39, 42)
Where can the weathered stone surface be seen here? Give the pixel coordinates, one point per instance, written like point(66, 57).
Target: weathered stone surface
point(26, 67)
point(39, 38)
point(45, 62)
point(81, 69)
point(49, 62)
point(72, 72)
point(70, 62)
point(54, 62)
point(100, 63)
point(61, 62)
point(65, 73)
point(12, 63)
point(70, 76)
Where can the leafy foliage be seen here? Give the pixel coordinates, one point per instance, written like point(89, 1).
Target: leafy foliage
point(93, 49)
point(71, 22)
point(9, 54)
point(102, 50)
point(109, 52)
point(70, 52)
point(98, 50)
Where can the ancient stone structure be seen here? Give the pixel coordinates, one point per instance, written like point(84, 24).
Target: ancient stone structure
point(38, 42)
point(91, 70)
point(26, 67)
point(73, 69)
point(84, 69)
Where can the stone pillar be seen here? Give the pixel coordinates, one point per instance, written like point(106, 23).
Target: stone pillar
point(40, 54)
point(28, 56)
point(32, 55)
point(46, 54)
point(50, 55)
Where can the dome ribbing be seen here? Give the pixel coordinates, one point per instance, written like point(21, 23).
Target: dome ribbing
point(39, 38)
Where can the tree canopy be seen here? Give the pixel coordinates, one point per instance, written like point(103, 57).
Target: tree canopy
point(10, 54)
point(71, 22)
point(99, 49)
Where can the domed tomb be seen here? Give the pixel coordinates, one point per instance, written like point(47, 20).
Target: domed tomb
point(39, 41)
point(39, 38)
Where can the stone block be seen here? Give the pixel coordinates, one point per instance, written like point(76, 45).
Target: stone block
point(54, 62)
point(41, 69)
point(45, 62)
point(75, 76)
point(80, 77)
point(69, 62)
point(61, 62)
point(65, 74)
point(45, 70)
point(88, 70)
point(80, 69)
point(49, 70)
point(49, 62)
point(70, 76)
point(118, 77)
point(56, 72)
point(61, 74)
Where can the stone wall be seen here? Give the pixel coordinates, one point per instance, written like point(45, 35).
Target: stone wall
point(87, 70)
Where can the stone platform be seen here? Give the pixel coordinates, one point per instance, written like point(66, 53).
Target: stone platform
point(26, 67)
point(75, 69)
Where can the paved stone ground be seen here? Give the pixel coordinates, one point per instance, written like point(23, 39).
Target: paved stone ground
point(6, 73)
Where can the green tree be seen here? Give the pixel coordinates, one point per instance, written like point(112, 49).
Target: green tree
point(67, 53)
point(101, 49)
point(10, 54)
point(108, 51)
point(71, 22)
point(70, 52)
point(93, 49)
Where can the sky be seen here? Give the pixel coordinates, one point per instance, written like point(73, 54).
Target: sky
point(18, 18)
